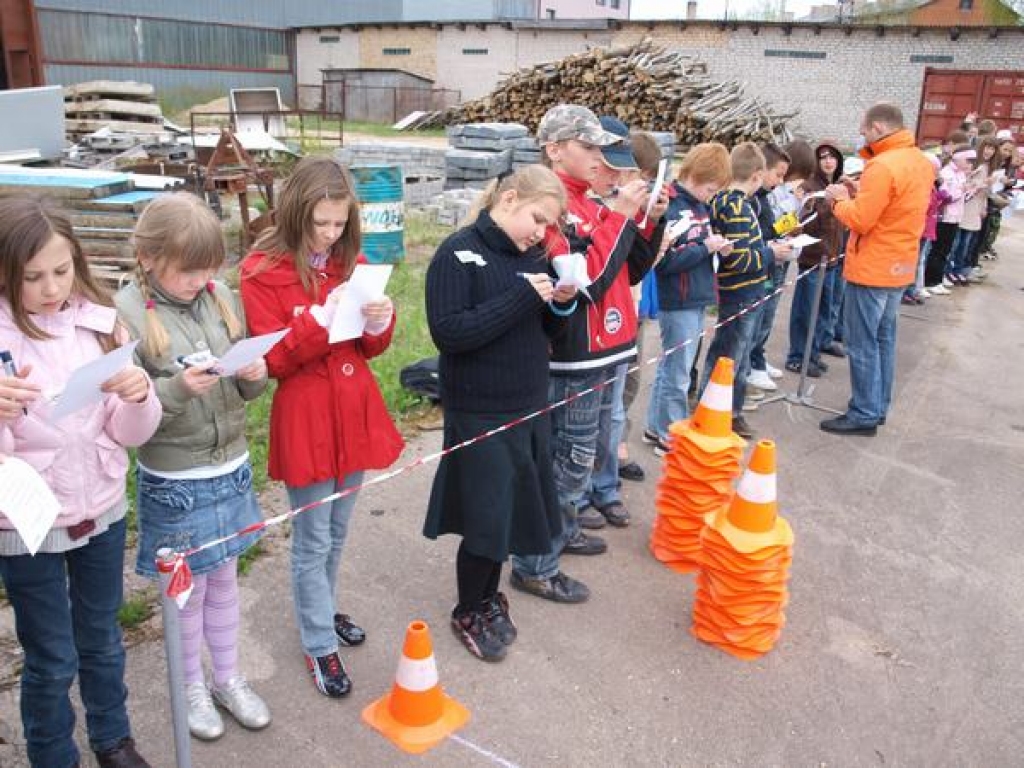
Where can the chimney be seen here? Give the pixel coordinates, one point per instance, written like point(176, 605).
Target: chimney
point(691, 10)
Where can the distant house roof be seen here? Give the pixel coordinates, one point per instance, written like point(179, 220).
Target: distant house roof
point(889, 9)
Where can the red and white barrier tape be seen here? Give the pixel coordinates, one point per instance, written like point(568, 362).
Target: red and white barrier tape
point(183, 580)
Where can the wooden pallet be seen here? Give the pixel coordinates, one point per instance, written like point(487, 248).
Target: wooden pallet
point(117, 89)
point(88, 107)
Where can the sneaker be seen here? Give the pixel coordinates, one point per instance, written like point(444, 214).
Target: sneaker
point(762, 380)
point(662, 448)
point(495, 612)
point(772, 371)
point(329, 675)
point(906, 298)
point(122, 755)
point(243, 703)
point(478, 637)
point(632, 471)
point(615, 513)
point(559, 588)
point(924, 293)
point(582, 544)
point(590, 518)
point(939, 290)
point(741, 428)
point(835, 349)
point(820, 364)
point(946, 283)
point(814, 371)
point(204, 721)
point(348, 633)
point(650, 437)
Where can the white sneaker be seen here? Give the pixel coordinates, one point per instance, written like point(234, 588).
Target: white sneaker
point(203, 718)
point(772, 371)
point(924, 293)
point(761, 380)
point(947, 284)
point(940, 290)
point(243, 703)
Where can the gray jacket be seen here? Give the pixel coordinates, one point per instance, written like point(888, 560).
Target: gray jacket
point(195, 431)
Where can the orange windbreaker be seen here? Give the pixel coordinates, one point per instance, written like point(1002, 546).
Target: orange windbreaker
point(887, 216)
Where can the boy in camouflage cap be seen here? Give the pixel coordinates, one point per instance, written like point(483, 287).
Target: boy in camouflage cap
point(601, 332)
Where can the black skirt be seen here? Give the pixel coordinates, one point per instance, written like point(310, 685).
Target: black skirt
point(499, 494)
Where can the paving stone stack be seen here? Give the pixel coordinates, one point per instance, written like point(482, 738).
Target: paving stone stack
point(452, 206)
point(481, 151)
point(527, 152)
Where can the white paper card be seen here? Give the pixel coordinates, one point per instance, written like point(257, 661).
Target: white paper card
point(679, 227)
point(27, 501)
point(571, 269)
point(83, 387)
point(659, 182)
point(367, 283)
point(248, 351)
point(802, 241)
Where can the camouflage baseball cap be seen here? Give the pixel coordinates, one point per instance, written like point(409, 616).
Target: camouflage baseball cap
point(571, 121)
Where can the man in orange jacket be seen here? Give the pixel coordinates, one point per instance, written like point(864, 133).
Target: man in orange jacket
point(885, 216)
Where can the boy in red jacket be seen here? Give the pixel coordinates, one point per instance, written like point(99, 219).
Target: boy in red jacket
point(616, 241)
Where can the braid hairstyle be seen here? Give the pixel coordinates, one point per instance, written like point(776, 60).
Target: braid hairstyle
point(180, 230)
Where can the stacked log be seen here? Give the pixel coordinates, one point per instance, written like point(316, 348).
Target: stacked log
point(644, 85)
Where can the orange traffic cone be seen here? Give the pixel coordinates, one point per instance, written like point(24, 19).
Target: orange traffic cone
point(746, 553)
point(416, 715)
point(699, 470)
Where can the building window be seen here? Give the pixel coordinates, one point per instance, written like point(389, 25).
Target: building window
point(614, 4)
point(474, 51)
point(330, 38)
point(923, 58)
point(782, 54)
point(966, 5)
point(396, 51)
point(601, 2)
point(551, 13)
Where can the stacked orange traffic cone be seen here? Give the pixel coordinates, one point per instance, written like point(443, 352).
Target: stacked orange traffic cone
point(700, 467)
point(416, 715)
point(747, 549)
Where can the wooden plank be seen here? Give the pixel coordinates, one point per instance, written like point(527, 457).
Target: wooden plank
point(110, 88)
point(63, 183)
point(121, 126)
point(134, 201)
point(104, 219)
point(114, 106)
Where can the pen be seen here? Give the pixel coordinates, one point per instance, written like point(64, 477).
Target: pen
point(7, 362)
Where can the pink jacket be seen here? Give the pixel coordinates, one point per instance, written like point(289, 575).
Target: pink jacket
point(954, 184)
point(939, 200)
point(82, 457)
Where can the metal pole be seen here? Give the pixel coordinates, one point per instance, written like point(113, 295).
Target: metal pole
point(175, 673)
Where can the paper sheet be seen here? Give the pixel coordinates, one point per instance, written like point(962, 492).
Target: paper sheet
point(802, 241)
point(571, 269)
point(83, 387)
point(679, 227)
point(248, 351)
point(367, 283)
point(659, 182)
point(27, 501)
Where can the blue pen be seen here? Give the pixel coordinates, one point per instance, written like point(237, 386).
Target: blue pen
point(7, 363)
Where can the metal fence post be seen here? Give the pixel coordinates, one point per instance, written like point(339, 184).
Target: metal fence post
point(175, 673)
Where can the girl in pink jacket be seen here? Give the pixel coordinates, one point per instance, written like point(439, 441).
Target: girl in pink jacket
point(54, 318)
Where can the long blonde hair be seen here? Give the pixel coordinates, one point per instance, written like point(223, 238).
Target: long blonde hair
point(314, 179)
point(178, 229)
point(529, 183)
point(27, 224)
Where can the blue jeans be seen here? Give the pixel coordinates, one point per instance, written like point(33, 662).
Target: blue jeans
point(65, 609)
point(672, 381)
point(318, 536)
point(832, 320)
point(574, 437)
point(612, 421)
point(800, 315)
point(922, 259)
point(960, 255)
point(734, 340)
point(871, 348)
point(768, 310)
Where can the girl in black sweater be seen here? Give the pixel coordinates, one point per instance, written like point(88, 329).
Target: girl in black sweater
point(492, 309)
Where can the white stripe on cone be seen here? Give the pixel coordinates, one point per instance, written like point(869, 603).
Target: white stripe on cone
point(757, 488)
point(717, 397)
point(416, 675)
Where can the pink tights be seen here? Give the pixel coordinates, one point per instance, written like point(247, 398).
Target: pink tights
point(212, 613)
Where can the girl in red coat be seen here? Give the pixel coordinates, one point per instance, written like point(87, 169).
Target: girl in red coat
point(328, 422)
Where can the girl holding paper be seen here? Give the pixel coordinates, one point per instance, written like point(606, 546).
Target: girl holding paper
point(54, 318)
point(194, 477)
point(328, 422)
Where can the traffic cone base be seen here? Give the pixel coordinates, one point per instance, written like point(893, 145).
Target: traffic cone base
point(687, 430)
point(746, 542)
point(416, 714)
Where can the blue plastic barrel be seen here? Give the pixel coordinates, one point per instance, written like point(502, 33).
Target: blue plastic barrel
point(382, 211)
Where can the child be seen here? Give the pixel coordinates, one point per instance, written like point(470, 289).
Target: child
point(829, 231)
point(54, 318)
point(487, 317)
point(777, 163)
point(328, 422)
point(918, 293)
point(959, 267)
point(601, 335)
point(686, 284)
point(989, 156)
point(954, 183)
point(194, 478)
point(742, 273)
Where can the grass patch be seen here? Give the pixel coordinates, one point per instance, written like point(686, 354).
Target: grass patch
point(257, 432)
point(135, 610)
point(250, 556)
point(380, 129)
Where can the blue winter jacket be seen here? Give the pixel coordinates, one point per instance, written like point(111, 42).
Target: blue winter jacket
point(686, 274)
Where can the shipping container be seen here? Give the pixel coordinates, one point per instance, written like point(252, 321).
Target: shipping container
point(947, 96)
point(21, 65)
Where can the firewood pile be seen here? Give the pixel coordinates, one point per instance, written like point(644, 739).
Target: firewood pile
point(644, 85)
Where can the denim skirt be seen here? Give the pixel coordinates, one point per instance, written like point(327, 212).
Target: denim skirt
point(182, 514)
